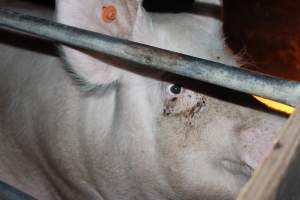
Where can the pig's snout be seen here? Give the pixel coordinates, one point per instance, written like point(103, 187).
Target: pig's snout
point(257, 139)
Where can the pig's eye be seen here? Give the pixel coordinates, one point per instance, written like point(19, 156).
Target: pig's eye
point(174, 89)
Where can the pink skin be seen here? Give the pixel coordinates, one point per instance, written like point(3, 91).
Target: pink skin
point(120, 134)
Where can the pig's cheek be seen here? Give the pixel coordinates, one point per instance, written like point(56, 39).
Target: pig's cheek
point(183, 147)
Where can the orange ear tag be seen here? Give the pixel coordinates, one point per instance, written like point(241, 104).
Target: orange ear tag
point(109, 13)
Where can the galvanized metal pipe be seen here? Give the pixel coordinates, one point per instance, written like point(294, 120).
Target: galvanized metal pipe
point(8, 192)
point(242, 80)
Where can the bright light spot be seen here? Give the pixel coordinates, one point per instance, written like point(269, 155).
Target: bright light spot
point(276, 106)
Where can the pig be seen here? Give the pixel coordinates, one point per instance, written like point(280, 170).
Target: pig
point(81, 125)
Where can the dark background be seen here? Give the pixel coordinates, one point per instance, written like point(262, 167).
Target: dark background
point(265, 32)
point(269, 31)
point(44, 2)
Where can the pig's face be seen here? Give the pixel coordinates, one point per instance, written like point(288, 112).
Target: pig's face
point(185, 138)
point(210, 148)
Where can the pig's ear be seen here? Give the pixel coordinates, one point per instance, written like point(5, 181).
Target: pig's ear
point(112, 17)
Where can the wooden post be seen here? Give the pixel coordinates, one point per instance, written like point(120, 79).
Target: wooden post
point(278, 178)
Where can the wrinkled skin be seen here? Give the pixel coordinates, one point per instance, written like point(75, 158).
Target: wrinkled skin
point(78, 128)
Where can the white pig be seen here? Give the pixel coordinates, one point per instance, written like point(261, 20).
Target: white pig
point(86, 126)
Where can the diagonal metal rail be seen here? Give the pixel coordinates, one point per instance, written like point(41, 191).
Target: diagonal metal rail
point(238, 79)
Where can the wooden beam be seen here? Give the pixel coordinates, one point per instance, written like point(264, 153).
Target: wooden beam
point(278, 178)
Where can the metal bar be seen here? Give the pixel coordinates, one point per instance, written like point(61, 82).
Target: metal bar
point(238, 79)
point(8, 192)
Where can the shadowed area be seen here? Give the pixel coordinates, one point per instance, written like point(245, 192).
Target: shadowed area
point(168, 5)
point(43, 2)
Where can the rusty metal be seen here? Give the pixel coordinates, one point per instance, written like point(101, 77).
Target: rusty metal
point(242, 80)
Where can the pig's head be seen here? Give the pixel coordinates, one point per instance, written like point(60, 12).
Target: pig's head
point(162, 137)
